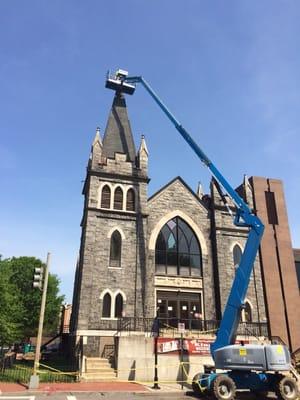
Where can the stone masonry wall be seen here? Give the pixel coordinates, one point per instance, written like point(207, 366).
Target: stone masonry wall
point(227, 236)
point(176, 199)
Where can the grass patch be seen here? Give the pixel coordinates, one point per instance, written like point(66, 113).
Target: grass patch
point(22, 370)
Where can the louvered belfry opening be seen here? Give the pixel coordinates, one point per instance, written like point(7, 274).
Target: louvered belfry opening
point(130, 201)
point(118, 199)
point(105, 198)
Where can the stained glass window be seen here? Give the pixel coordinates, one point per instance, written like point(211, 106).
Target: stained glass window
point(177, 250)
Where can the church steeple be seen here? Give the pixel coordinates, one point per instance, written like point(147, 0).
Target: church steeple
point(118, 136)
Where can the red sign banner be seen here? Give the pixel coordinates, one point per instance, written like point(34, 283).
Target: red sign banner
point(190, 346)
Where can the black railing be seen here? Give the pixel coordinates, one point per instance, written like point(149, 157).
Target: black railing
point(253, 329)
point(131, 324)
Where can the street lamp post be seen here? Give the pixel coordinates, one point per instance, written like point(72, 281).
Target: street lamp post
point(155, 330)
point(34, 379)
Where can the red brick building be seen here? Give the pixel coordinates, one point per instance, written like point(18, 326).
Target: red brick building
point(278, 262)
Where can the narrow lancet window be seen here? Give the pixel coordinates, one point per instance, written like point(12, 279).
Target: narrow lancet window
point(119, 306)
point(105, 197)
point(115, 249)
point(130, 201)
point(106, 306)
point(237, 256)
point(118, 199)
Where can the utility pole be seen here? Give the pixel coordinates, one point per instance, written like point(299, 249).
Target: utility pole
point(34, 379)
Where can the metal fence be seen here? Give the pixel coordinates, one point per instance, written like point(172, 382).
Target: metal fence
point(56, 370)
point(131, 324)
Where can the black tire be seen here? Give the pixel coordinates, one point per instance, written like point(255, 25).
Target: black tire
point(196, 386)
point(287, 389)
point(224, 388)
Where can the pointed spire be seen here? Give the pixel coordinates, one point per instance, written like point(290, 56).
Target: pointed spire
point(200, 191)
point(118, 136)
point(96, 151)
point(143, 146)
point(142, 156)
point(97, 138)
point(246, 181)
point(248, 191)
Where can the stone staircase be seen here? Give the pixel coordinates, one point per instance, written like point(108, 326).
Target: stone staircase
point(98, 369)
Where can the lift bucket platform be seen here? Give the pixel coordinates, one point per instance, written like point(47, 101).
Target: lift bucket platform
point(118, 84)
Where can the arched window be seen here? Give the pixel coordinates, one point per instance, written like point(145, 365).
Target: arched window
point(106, 306)
point(118, 199)
point(247, 313)
point(130, 200)
point(237, 255)
point(115, 249)
point(105, 197)
point(177, 250)
point(119, 306)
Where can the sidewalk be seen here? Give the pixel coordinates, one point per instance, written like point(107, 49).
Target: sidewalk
point(6, 387)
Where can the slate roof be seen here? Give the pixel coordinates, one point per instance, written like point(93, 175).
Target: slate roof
point(118, 136)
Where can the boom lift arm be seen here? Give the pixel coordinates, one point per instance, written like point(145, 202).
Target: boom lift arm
point(250, 366)
point(244, 218)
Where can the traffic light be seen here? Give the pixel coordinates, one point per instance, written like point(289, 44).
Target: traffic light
point(38, 278)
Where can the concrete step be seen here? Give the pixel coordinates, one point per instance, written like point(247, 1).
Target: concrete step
point(99, 370)
point(96, 364)
point(96, 360)
point(96, 376)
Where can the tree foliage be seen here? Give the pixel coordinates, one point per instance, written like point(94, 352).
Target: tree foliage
point(20, 303)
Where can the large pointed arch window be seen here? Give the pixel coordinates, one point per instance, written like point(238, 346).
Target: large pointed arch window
point(115, 249)
point(105, 197)
point(177, 250)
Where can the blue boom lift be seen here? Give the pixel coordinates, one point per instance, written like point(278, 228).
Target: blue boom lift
point(259, 368)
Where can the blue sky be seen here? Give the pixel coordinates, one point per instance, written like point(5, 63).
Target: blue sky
point(229, 70)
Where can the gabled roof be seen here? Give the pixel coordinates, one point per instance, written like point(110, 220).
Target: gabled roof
point(178, 178)
point(118, 136)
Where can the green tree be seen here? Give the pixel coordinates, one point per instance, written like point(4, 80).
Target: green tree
point(10, 328)
point(20, 271)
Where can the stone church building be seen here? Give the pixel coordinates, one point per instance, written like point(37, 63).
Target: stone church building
point(173, 254)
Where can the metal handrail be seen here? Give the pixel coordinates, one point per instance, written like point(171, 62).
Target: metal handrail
point(140, 324)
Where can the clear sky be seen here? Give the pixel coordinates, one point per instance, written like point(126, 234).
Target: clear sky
point(229, 70)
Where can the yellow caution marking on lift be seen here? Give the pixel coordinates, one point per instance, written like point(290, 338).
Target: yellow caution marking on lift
point(279, 350)
point(243, 351)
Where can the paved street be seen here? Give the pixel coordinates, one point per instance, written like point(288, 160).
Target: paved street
point(167, 392)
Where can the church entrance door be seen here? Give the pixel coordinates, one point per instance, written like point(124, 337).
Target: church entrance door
point(177, 306)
